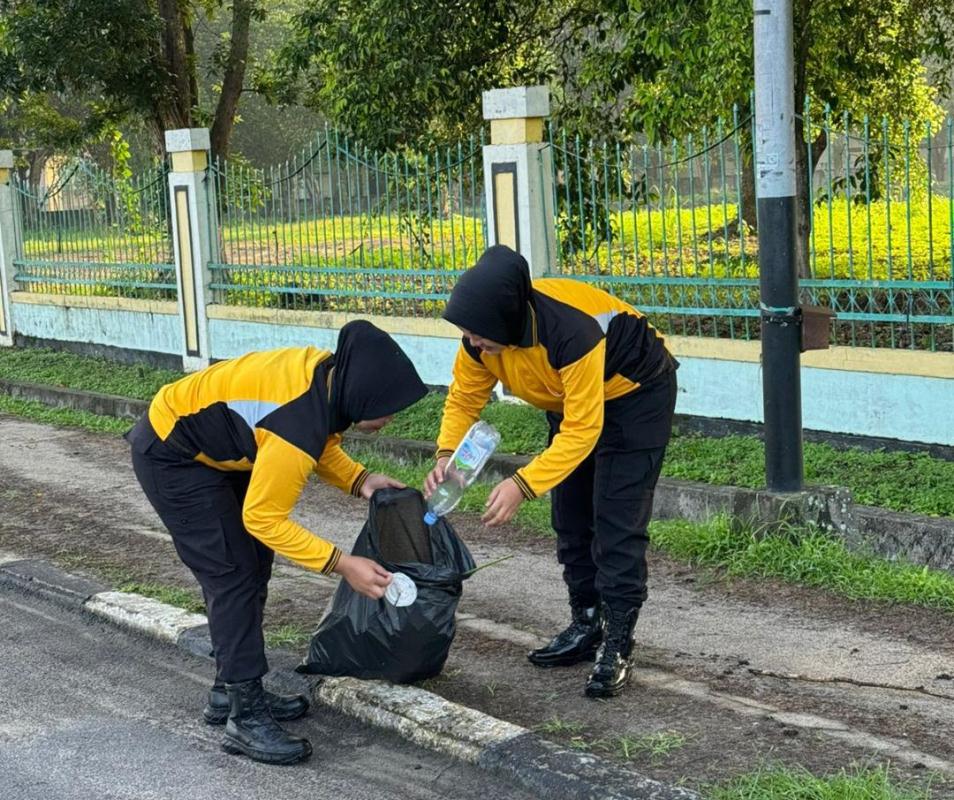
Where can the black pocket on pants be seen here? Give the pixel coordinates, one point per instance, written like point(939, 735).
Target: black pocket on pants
point(204, 547)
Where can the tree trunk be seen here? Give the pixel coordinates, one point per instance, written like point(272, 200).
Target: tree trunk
point(804, 172)
point(234, 78)
point(175, 108)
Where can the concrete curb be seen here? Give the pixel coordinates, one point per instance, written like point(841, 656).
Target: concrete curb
point(924, 540)
point(417, 715)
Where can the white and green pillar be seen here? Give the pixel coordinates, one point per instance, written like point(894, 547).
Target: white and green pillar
point(518, 175)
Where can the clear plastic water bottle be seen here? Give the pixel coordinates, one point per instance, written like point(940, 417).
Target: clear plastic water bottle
point(462, 469)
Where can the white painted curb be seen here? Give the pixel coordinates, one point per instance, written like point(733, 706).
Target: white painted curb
point(418, 715)
point(415, 714)
point(144, 614)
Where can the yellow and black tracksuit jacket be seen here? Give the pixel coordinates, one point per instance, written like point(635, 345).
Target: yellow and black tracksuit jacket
point(267, 413)
point(582, 347)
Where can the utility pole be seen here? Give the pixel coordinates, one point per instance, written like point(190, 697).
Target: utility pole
point(775, 190)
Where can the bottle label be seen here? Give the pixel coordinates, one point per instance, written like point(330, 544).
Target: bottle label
point(468, 455)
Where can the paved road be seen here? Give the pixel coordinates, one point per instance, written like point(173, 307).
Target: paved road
point(89, 712)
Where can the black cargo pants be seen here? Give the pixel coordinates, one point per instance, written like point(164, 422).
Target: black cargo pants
point(601, 512)
point(202, 509)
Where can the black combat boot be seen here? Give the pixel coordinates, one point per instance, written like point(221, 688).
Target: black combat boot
point(575, 644)
point(613, 660)
point(283, 707)
point(251, 729)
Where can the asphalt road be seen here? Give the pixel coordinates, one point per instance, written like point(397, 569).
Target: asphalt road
point(90, 712)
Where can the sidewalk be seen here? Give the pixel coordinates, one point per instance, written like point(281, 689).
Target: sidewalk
point(730, 675)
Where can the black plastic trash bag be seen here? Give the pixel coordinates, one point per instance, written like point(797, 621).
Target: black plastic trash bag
point(368, 638)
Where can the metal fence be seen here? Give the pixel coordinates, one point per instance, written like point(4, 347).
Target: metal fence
point(82, 231)
point(665, 227)
point(342, 228)
point(669, 228)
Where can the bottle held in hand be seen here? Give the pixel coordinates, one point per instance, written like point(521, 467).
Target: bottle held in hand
point(462, 470)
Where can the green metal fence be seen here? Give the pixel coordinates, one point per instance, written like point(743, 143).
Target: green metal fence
point(342, 228)
point(87, 232)
point(672, 228)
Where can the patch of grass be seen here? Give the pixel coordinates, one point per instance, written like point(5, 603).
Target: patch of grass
point(912, 482)
point(783, 783)
point(40, 412)
point(803, 556)
point(560, 727)
point(522, 429)
point(173, 595)
point(57, 368)
point(655, 745)
point(291, 635)
point(908, 482)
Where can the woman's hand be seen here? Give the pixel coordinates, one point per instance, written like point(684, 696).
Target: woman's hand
point(435, 476)
point(503, 503)
point(378, 481)
point(365, 576)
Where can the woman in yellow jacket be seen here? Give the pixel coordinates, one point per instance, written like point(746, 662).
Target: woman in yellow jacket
point(223, 456)
point(608, 384)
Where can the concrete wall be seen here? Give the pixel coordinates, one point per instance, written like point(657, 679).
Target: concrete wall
point(151, 326)
point(878, 393)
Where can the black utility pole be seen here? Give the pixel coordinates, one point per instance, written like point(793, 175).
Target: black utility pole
point(775, 184)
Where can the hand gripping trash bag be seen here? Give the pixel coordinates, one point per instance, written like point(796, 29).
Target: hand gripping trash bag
point(368, 638)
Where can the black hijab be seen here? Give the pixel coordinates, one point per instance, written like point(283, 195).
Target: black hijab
point(492, 298)
point(372, 376)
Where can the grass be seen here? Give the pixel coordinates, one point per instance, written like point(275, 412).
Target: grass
point(172, 595)
point(655, 745)
point(291, 635)
point(783, 783)
point(806, 557)
point(39, 412)
point(57, 368)
point(522, 429)
point(560, 727)
point(674, 241)
point(900, 481)
point(908, 482)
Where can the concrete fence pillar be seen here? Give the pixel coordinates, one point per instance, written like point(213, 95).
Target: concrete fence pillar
point(518, 175)
point(194, 238)
point(7, 247)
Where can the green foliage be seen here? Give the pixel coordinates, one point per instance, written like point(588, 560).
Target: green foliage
point(171, 595)
point(911, 482)
point(398, 72)
point(64, 417)
point(101, 50)
point(803, 556)
point(57, 368)
point(290, 635)
point(522, 429)
point(787, 783)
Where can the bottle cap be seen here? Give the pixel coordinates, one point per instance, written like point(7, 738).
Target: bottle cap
point(430, 518)
point(401, 591)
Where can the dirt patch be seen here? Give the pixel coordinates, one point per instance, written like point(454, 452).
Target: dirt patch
point(695, 743)
point(70, 497)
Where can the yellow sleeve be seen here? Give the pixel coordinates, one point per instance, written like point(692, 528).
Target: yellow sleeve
point(337, 468)
point(580, 429)
point(468, 394)
point(280, 473)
